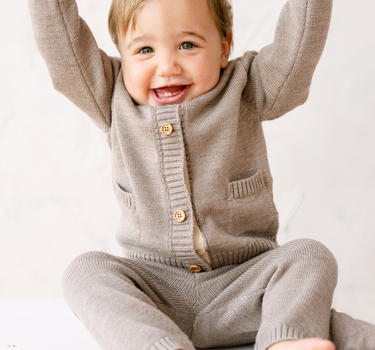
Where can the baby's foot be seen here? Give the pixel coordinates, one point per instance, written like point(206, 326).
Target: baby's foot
point(303, 344)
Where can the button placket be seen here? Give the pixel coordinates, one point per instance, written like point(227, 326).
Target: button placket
point(172, 164)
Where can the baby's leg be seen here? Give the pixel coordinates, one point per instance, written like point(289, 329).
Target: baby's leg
point(350, 334)
point(297, 299)
point(297, 303)
point(345, 332)
point(119, 303)
point(283, 294)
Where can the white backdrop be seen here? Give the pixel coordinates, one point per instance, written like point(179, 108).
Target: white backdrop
point(56, 199)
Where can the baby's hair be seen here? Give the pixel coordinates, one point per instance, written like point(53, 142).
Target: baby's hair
point(124, 12)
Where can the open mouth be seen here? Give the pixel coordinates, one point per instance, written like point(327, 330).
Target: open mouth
point(169, 94)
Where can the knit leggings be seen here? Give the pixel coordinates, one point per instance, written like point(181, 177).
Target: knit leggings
point(285, 293)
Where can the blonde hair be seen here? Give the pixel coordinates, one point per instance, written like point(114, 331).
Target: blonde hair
point(124, 12)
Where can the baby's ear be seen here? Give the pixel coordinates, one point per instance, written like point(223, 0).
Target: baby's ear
point(225, 50)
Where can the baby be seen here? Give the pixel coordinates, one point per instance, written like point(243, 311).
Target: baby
point(201, 266)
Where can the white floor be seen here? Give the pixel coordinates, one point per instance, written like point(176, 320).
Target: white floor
point(45, 325)
point(42, 325)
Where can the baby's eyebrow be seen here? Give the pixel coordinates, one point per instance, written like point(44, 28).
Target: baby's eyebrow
point(187, 32)
point(137, 39)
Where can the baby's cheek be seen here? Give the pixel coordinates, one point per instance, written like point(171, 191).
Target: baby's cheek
point(135, 77)
point(137, 83)
point(209, 75)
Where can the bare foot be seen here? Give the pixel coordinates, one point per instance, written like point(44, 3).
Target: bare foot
point(303, 344)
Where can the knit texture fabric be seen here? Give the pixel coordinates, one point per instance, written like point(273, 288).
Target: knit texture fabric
point(219, 133)
point(285, 293)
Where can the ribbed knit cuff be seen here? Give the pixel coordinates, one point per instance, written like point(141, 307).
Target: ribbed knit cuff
point(168, 343)
point(266, 338)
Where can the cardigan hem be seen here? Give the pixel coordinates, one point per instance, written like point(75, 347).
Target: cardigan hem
point(168, 343)
point(266, 338)
point(257, 247)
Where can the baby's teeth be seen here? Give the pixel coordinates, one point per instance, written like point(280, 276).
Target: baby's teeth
point(168, 94)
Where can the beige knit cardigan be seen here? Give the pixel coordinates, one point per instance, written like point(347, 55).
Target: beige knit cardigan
point(219, 133)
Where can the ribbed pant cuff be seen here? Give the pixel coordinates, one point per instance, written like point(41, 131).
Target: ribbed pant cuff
point(168, 343)
point(266, 337)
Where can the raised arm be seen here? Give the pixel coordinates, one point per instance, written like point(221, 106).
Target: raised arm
point(78, 68)
point(280, 75)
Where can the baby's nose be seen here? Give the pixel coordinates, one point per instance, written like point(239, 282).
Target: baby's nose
point(168, 66)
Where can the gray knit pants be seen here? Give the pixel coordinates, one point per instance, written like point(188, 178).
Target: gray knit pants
point(285, 293)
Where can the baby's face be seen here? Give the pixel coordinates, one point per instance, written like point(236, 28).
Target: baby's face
point(174, 54)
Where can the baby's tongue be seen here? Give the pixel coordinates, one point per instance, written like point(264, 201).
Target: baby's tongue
point(169, 91)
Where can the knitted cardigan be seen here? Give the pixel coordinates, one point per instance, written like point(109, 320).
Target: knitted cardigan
point(219, 133)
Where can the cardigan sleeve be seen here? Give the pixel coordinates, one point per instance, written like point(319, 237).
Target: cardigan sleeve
point(279, 76)
point(78, 68)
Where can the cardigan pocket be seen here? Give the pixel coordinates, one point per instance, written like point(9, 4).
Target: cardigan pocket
point(251, 208)
point(125, 198)
point(128, 231)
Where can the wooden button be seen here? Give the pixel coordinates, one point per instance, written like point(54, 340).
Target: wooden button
point(166, 129)
point(195, 268)
point(179, 216)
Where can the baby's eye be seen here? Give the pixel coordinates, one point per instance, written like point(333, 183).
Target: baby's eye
point(186, 46)
point(146, 50)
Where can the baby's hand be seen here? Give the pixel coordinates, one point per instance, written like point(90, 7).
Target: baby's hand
point(303, 344)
